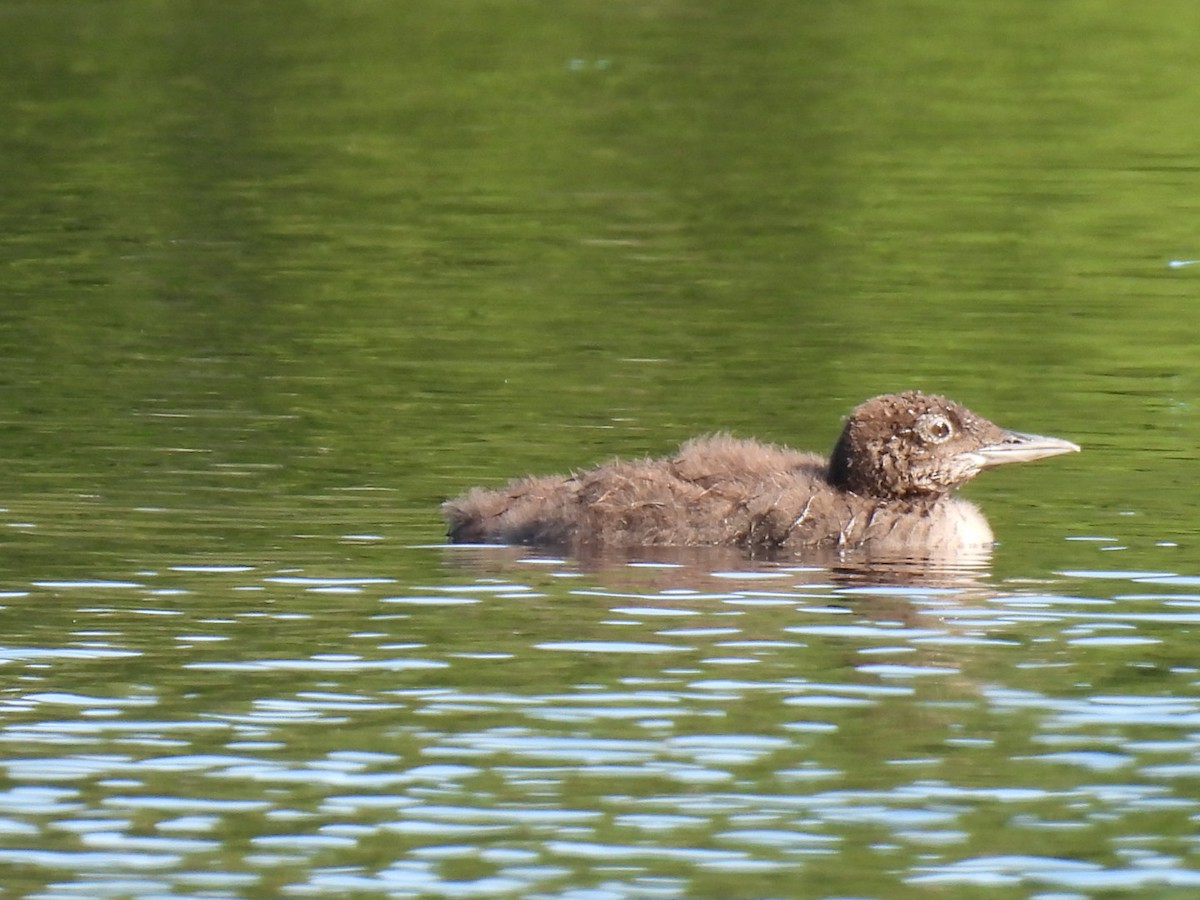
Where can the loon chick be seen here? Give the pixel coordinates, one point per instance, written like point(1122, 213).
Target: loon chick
point(886, 487)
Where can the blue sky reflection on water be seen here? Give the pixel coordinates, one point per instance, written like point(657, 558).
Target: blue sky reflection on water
point(982, 736)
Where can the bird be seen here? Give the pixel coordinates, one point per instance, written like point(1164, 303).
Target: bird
point(888, 486)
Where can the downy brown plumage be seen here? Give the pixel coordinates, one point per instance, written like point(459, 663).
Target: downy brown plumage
point(887, 486)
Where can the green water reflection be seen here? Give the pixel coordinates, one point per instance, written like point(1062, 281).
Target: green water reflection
point(416, 248)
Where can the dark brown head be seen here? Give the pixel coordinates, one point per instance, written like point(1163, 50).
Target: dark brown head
point(915, 445)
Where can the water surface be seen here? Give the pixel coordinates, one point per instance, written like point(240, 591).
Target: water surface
point(278, 280)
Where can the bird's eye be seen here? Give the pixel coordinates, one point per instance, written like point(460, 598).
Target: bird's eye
point(934, 428)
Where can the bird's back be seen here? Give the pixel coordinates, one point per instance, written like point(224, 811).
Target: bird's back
point(715, 490)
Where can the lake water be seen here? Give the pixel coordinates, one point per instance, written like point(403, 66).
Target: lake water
point(279, 279)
